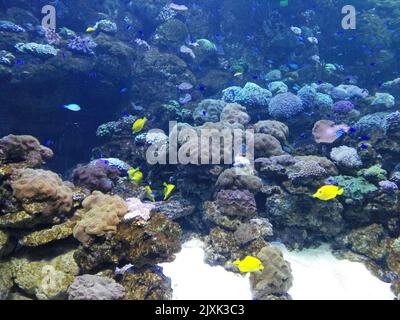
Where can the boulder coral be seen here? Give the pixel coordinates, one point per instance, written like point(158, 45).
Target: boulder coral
point(23, 152)
point(41, 196)
point(276, 278)
point(94, 287)
point(100, 216)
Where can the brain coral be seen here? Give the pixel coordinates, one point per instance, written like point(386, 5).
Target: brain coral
point(236, 203)
point(346, 157)
point(230, 179)
point(275, 279)
point(235, 113)
point(26, 151)
point(275, 128)
point(41, 191)
point(266, 145)
point(96, 177)
point(93, 287)
point(285, 105)
point(101, 215)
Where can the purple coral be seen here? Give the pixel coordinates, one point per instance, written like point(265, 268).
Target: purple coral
point(52, 36)
point(343, 106)
point(96, 177)
point(388, 186)
point(237, 203)
point(83, 45)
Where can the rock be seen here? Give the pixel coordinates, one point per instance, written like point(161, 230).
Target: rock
point(276, 278)
point(93, 287)
point(148, 284)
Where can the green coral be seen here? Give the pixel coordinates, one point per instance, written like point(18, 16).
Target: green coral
point(45, 279)
point(355, 189)
point(41, 50)
point(58, 232)
point(173, 32)
point(207, 45)
point(174, 108)
point(6, 282)
point(374, 174)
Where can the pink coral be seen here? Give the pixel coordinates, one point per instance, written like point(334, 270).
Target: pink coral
point(326, 131)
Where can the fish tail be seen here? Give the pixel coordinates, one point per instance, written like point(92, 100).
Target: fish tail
point(340, 192)
point(236, 262)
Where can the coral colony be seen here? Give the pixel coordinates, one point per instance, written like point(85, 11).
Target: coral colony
point(237, 123)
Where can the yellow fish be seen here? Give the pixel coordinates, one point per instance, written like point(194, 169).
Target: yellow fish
point(135, 175)
point(326, 193)
point(249, 264)
point(138, 125)
point(150, 194)
point(168, 190)
point(238, 74)
point(90, 29)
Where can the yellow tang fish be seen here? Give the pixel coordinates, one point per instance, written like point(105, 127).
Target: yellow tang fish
point(238, 74)
point(249, 264)
point(90, 29)
point(168, 190)
point(135, 175)
point(150, 194)
point(326, 193)
point(138, 125)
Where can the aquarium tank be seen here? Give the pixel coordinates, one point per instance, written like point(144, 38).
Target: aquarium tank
point(199, 150)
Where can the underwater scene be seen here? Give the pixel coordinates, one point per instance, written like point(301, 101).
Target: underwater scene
point(199, 150)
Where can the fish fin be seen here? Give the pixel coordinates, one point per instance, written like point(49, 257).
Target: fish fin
point(165, 184)
point(236, 262)
point(340, 192)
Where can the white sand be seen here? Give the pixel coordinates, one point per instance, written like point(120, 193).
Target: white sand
point(318, 275)
point(192, 279)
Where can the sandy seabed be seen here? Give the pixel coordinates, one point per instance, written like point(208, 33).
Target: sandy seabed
point(318, 275)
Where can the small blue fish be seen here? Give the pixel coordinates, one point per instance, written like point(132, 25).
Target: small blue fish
point(303, 135)
point(72, 107)
point(202, 88)
point(19, 62)
point(204, 113)
point(364, 147)
point(48, 143)
point(123, 90)
point(129, 27)
point(352, 130)
point(340, 133)
point(255, 77)
point(365, 138)
point(141, 32)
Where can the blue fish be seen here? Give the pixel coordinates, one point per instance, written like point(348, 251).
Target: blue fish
point(72, 107)
point(340, 133)
point(19, 62)
point(202, 88)
point(129, 27)
point(364, 147)
point(365, 138)
point(204, 113)
point(123, 90)
point(48, 143)
point(352, 130)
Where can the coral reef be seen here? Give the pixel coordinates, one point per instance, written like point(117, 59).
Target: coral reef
point(93, 287)
point(276, 278)
point(100, 216)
